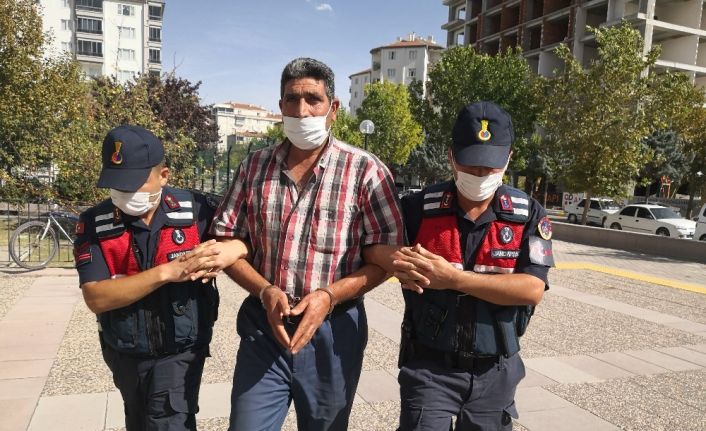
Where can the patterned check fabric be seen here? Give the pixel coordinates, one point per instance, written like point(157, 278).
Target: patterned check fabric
point(306, 239)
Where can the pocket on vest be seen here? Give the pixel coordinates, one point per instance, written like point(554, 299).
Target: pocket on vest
point(184, 313)
point(122, 327)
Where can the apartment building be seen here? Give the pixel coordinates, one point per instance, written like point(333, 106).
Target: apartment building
point(538, 26)
point(120, 38)
point(401, 62)
point(242, 122)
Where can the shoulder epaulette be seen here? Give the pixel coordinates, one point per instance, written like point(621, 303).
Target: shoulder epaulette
point(439, 199)
point(511, 205)
point(107, 219)
point(179, 206)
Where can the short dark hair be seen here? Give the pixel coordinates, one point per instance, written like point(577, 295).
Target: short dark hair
point(308, 68)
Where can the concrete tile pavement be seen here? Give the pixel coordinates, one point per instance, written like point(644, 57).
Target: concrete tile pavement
point(544, 398)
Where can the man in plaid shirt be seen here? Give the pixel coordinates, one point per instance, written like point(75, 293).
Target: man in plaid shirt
point(306, 208)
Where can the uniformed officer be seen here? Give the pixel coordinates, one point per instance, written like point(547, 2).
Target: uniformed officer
point(477, 268)
point(136, 254)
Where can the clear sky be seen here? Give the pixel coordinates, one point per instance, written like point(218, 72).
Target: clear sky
point(238, 48)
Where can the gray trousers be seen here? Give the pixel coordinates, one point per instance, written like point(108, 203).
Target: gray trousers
point(482, 399)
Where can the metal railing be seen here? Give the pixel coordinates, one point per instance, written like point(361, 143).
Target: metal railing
point(13, 214)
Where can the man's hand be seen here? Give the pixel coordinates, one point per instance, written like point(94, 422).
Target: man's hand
point(276, 307)
point(228, 253)
point(313, 309)
point(419, 268)
point(204, 255)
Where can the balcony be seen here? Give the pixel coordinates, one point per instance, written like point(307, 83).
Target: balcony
point(90, 5)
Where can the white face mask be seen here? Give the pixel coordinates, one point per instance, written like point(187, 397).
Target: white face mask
point(478, 188)
point(306, 133)
point(134, 203)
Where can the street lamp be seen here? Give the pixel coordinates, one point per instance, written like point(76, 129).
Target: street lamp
point(367, 127)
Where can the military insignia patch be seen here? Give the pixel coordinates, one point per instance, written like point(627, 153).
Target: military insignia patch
point(545, 228)
point(446, 200)
point(117, 216)
point(506, 235)
point(484, 134)
point(505, 203)
point(117, 157)
point(82, 253)
point(171, 202)
point(178, 237)
point(80, 227)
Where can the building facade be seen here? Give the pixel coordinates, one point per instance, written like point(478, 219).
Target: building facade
point(538, 26)
point(241, 122)
point(401, 62)
point(118, 38)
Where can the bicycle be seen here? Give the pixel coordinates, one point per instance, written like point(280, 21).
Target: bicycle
point(35, 243)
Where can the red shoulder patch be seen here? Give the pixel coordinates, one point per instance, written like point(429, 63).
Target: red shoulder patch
point(80, 227)
point(82, 253)
point(171, 202)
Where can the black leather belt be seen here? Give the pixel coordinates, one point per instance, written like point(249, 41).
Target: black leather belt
point(457, 360)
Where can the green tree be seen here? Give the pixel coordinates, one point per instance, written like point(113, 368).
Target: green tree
point(596, 118)
point(396, 132)
point(345, 128)
point(42, 105)
point(464, 76)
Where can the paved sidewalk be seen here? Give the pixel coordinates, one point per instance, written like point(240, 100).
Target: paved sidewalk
point(603, 352)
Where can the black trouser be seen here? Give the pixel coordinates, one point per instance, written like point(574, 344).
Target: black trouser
point(158, 393)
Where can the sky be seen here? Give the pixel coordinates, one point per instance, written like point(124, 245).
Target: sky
point(238, 48)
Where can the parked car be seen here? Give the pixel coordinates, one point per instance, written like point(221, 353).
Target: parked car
point(655, 219)
point(700, 232)
point(599, 209)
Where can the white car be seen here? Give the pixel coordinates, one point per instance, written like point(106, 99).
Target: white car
point(599, 209)
point(700, 232)
point(655, 219)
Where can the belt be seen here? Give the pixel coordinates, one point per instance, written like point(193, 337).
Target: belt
point(457, 360)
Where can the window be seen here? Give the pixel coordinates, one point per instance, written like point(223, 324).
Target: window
point(461, 14)
point(355, 95)
point(125, 75)
point(155, 13)
point(94, 5)
point(155, 56)
point(126, 32)
point(126, 10)
point(65, 24)
point(460, 39)
point(595, 205)
point(126, 54)
point(365, 79)
point(155, 34)
point(90, 48)
point(391, 73)
point(413, 54)
point(391, 55)
point(355, 81)
point(88, 25)
point(628, 211)
point(412, 72)
point(644, 213)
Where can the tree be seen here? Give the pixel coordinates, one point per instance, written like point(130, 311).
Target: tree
point(396, 132)
point(464, 76)
point(596, 118)
point(669, 159)
point(345, 128)
point(42, 105)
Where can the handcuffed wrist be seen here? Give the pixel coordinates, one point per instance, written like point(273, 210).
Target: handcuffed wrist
point(263, 290)
point(332, 298)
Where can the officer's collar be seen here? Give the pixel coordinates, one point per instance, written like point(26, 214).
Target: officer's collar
point(169, 202)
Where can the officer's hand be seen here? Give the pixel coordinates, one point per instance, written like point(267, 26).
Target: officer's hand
point(407, 270)
point(203, 255)
point(276, 307)
point(228, 253)
point(420, 262)
point(314, 308)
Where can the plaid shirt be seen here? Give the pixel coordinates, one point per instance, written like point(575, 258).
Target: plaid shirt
point(306, 239)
